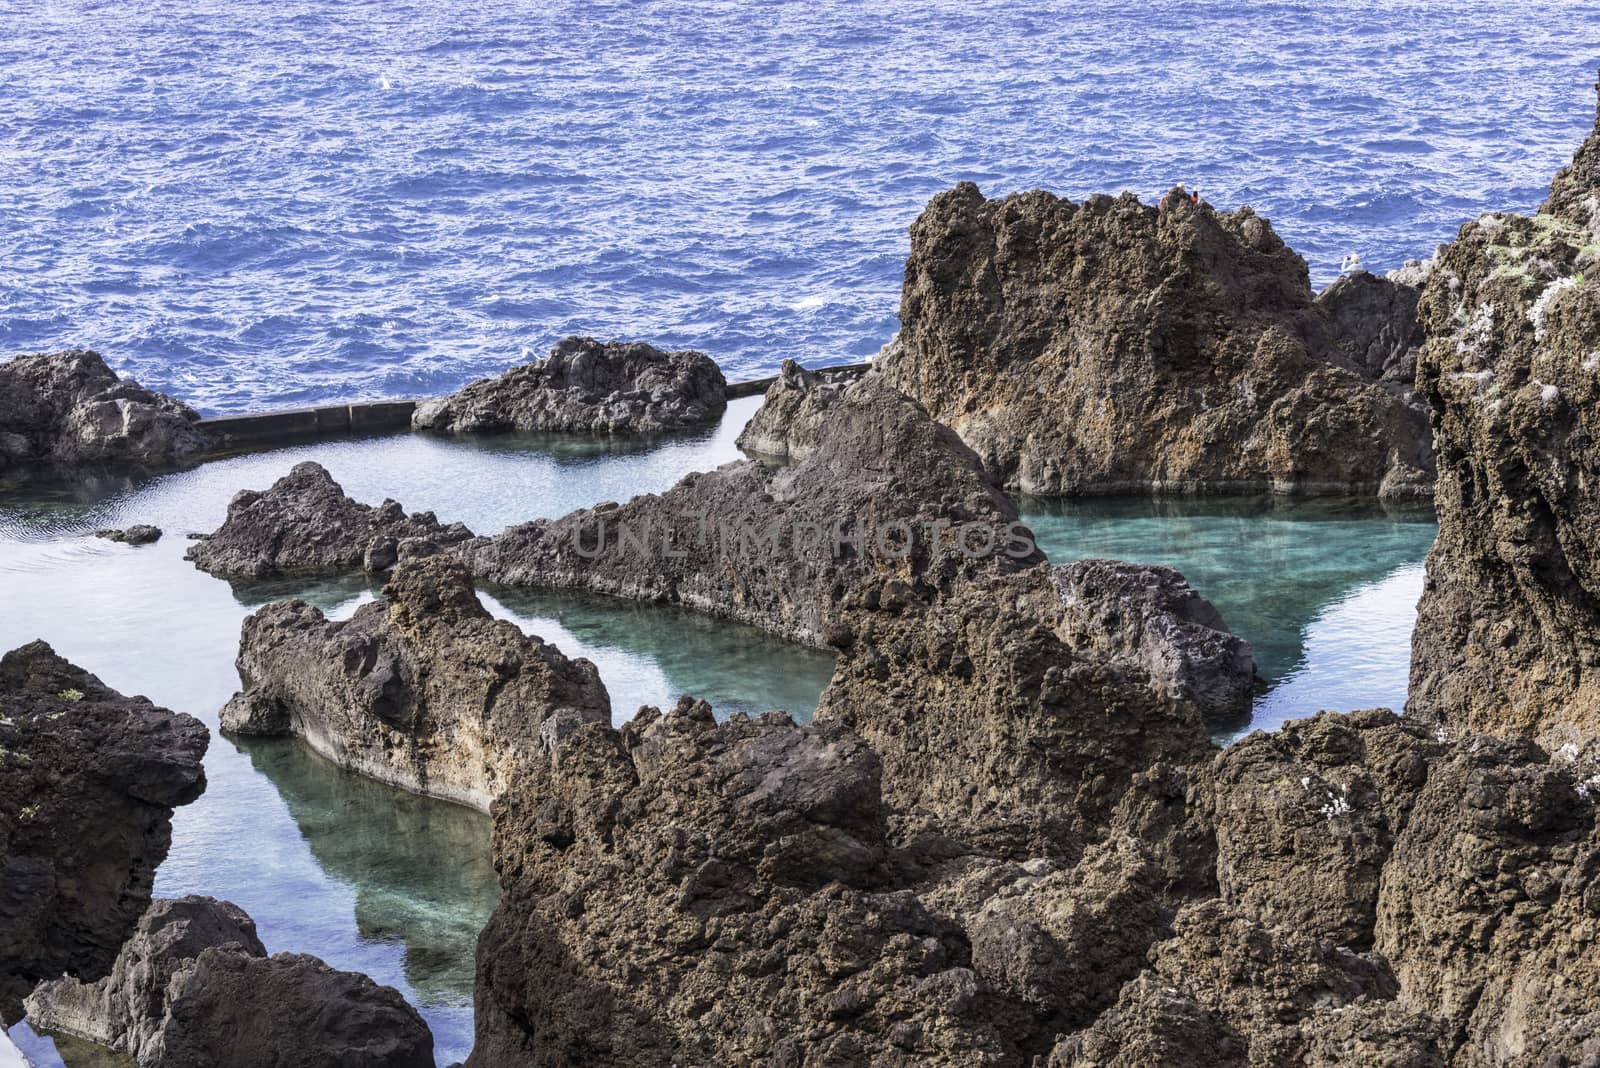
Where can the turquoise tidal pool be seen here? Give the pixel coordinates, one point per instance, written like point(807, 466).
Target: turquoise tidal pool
point(398, 886)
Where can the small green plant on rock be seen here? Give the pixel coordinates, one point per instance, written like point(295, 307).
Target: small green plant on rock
point(71, 694)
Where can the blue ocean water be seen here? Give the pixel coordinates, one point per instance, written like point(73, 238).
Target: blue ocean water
point(255, 204)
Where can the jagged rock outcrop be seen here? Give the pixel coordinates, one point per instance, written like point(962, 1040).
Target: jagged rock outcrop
point(1109, 347)
point(1374, 324)
point(793, 416)
point(304, 525)
point(123, 1011)
point(69, 409)
point(1306, 816)
point(422, 689)
point(1508, 630)
point(88, 782)
point(1256, 995)
point(686, 893)
point(996, 719)
point(1150, 617)
point(585, 386)
point(886, 492)
point(1489, 906)
point(194, 988)
point(138, 534)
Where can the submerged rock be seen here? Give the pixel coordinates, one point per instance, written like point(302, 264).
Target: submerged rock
point(68, 409)
point(1508, 629)
point(88, 782)
point(885, 492)
point(194, 988)
point(1108, 347)
point(422, 689)
point(585, 386)
point(793, 417)
point(305, 525)
point(138, 534)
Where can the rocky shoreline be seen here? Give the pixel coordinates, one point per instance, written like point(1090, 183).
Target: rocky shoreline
point(1005, 839)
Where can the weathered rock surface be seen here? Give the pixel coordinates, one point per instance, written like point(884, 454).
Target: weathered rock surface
point(1251, 991)
point(304, 525)
point(319, 1017)
point(1489, 906)
point(886, 492)
point(686, 893)
point(422, 689)
point(585, 386)
point(792, 419)
point(69, 409)
point(1109, 347)
point(1149, 616)
point(194, 988)
point(1508, 630)
point(1307, 815)
point(1374, 324)
point(138, 534)
point(996, 719)
point(88, 782)
point(124, 1010)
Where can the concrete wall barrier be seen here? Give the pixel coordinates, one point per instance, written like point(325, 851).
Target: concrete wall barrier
point(261, 430)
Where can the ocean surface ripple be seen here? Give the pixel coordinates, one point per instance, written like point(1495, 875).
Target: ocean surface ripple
point(253, 204)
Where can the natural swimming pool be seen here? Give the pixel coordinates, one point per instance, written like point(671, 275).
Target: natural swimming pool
point(397, 886)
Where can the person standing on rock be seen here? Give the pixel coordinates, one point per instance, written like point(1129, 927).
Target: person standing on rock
point(1352, 264)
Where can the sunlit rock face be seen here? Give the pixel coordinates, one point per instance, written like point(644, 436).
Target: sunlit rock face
point(585, 386)
point(1508, 630)
point(1113, 347)
point(68, 409)
point(422, 688)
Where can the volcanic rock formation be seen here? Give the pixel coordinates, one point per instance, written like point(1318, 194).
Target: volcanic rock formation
point(680, 892)
point(305, 525)
point(1110, 347)
point(585, 386)
point(194, 988)
point(793, 416)
point(68, 409)
point(88, 782)
point(422, 689)
point(1508, 631)
point(886, 491)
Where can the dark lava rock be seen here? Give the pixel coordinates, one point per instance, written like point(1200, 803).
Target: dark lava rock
point(1306, 817)
point(305, 525)
point(585, 386)
point(1375, 325)
point(1508, 630)
point(793, 417)
point(194, 988)
point(1149, 616)
point(68, 409)
point(138, 534)
point(124, 1010)
point(88, 782)
point(422, 689)
point(287, 1009)
point(1489, 906)
point(1109, 347)
point(886, 491)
